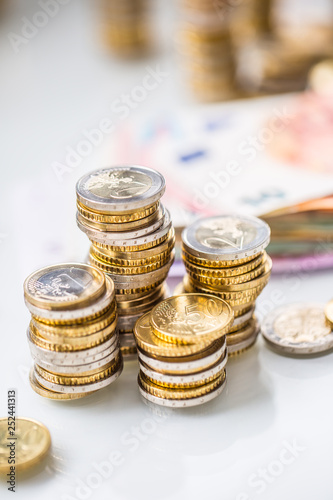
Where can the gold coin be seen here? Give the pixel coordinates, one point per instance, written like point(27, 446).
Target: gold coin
point(111, 368)
point(243, 333)
point(140, 301)
point(90, 327)
point(218, 263)
point(232, 280)
point(329, 313)
point(92, 215)
point(126, 226)
point(139, 259)
point(47, 393)
point(128, 351)
point(133, 248)
point(145, 288)
point(224, 272)
point(146, 305)
point(172, 393)
point(188, 385)
point(71, 322)
point(108, 268)
point(61, 347)
point(151, 344)
point(64, 286)
point(191, 318)
point(30, 443)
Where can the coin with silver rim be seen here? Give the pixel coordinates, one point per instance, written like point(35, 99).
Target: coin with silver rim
point(64, 286)
point(120, 188)
point(298, 329)
point(226, 237)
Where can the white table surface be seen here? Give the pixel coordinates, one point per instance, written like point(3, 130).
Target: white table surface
point(233, 448)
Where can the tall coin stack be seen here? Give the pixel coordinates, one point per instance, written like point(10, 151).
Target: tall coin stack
point(205, 45)
point(126, 26)
point(182, 350)
point(132, 238)
point(72, 335)
point(249, 20)
point(225, 256)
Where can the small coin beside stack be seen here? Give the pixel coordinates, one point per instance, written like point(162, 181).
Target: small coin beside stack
point(182, 350)
point(132, 238)
point(126, 26)
point(225, 256)
point(72, 335)
point(205, 46)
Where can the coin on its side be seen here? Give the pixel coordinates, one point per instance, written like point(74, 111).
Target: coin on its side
point(191, 318)
point(31, 444)
point(298, 329)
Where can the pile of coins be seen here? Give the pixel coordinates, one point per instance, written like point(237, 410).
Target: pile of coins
point(205, 46)
point(300, 329)
point(132, 238)
point(250, 19)
point(126, 26)
point(225, 256)
point(182, 350)
point(72, 335)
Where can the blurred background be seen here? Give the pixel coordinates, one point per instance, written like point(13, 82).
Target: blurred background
point(232, 100)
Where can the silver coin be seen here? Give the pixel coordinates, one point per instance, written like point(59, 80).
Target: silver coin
point(127, 321)
point(71, 314)
point(105, 239)
point(298, 329)
point(179, 365)
point(134, 281)
point(74, 358)
point(183, 403)
point(63, 285)
point(226, 237)
point(127, 235)
point(244, 318)
point(73, 370)
point(185, 379)
point(120, 189)
point(70, 389)
point(245, 344)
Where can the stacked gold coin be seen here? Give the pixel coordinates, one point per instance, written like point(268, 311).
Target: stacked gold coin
point(125, 27)
point(205, 45)
point(225, 256)
point(132, 238)
point(72, 335)
point(250, 19)
point(182, 350)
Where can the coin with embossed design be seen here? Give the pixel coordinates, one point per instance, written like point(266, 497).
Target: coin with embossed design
point(120, 189)
point(226, 237)
point(191, 318)
point(298, 329)
point(64, 286)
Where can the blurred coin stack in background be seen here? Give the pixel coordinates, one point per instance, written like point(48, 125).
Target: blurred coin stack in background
point(126, 26)
point(132, 238)
point(205, 46)
point(72, 335)
point(249, 19)
point(225, 256)
point(182, 350)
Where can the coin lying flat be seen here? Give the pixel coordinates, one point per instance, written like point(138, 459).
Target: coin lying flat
point(298, 329)
point(120, 189)
point(226, 237)
point(46, 393)
point(32, 443)
point(64, 286)
point(191, 318)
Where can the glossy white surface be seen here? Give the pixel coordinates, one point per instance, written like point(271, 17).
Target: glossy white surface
point(271, 403)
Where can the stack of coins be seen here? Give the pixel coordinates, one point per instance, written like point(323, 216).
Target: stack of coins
point(183, 351)
point(72, 335)
point(250, 19)
point(125, 28)
point(205, 45)
point(224, 256)
point(132, 238)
